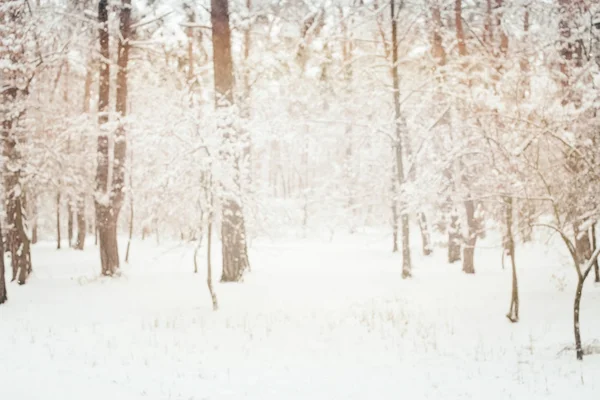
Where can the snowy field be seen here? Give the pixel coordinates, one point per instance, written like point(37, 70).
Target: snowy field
point(313, 320)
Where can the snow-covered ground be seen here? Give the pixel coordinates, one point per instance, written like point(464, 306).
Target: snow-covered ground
point(313, 320)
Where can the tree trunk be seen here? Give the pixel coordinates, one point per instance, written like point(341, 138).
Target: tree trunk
point(213, 295)
point(130, 209)
point(405, 232)
point(471, 240)
point(58, 236)
point(70, 224)
point(235, 261)
point(105, 221)
point(81, 225)
point(34, 232)
point(513, 312)
point(576, 326)
point(454, 238)
point(3, 294)
point(80, 204)
point(130, 230)
point(594, 246)
point(425, 236)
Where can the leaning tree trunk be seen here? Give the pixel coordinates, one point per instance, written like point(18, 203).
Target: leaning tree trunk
point(594, 246)
point(405, 233)
point(471, 239)
point(3, 294)
point(576, 326)
point(513, 312)
point(235, 260)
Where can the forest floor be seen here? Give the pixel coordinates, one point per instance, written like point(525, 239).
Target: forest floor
point(312, 320)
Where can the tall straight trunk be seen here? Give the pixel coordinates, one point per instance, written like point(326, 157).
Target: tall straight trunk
point(81, 226)
point(80, 204)
point(211, 290)
point(131, 214)
point(513, 312)
point(3, 293)
point(471, 239)
point(406, 262)
point(235, 260)
point(394, 216)
point(105, 222)
point(58, 236)
point(70, 224)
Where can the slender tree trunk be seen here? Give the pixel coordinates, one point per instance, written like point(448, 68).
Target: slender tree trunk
point(235, 261)
point(81, 225)
point(394, 224)
point(80, 204)
point(58, 236)
point(594, 246)
point(576, 325)
point(3, 294)
point(70, 224)
point(513, 312)
point(406, 261)
point(211, 290)
point(471, 240)
point(131, 209)
point(130, 229)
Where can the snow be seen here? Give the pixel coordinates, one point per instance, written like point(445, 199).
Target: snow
point(313, 319)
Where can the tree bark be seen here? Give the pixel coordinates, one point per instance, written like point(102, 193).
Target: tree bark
point(58, 236)
point(211, 290)
point(235, 260)
point(471, 239)
point(454, 238)
point(576, 326)
point(405, 230)
point(70, 224)
point(425, 236)
point(81, 225)
point(106, 236)
point(13, 96)
point(513, 312)
point(594, 246)
point(3, 293)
